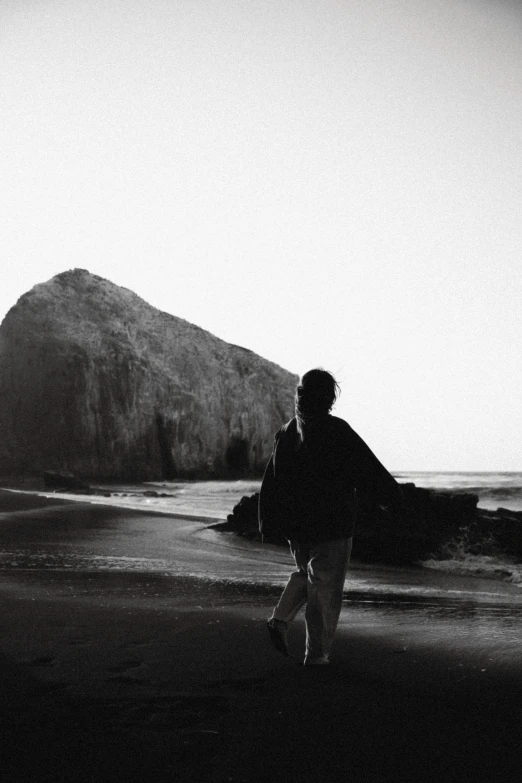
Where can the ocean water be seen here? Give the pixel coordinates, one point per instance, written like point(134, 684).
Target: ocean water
point(213, 500)
point(494, 490)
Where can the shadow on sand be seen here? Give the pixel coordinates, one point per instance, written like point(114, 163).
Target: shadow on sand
point(181, 684)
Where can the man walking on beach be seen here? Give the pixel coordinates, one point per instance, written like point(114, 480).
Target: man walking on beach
point(319, 473)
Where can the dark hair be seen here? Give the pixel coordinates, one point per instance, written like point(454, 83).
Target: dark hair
point(314, 397)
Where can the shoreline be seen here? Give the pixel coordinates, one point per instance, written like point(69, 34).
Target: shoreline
point(133, 675)
point(139, 498)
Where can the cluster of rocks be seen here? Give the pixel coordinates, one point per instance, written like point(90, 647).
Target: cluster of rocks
point(63, 481)
point(431, 523)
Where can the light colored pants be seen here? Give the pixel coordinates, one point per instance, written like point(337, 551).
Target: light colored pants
point(318, 582)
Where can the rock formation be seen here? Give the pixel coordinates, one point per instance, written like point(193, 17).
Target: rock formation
point(433, 524)
point(95, 381)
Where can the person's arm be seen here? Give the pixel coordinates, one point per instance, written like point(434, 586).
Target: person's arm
point(374, 483)
point(267, 510)
point(266, 499)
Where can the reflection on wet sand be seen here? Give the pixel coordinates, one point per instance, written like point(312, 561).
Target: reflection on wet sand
point(94, 548)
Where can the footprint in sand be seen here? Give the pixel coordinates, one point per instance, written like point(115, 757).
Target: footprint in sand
point(43, 660)
point(139, 643)
point(127, 672)
point(124, 666)
point(181, 713)
point(254, 684)
point(128, 680)
point(80, 640)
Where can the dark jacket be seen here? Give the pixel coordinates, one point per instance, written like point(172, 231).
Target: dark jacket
point(311, 489)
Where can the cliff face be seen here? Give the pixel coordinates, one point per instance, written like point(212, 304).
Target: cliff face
point(96, 381)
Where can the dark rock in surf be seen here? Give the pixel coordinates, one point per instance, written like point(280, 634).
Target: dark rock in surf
point(494, 533)
point(95, 381)
point(417, 531)
point(429, 519)
point(243, 519)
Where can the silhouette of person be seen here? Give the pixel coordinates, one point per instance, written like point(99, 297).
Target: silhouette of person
point(319, 473)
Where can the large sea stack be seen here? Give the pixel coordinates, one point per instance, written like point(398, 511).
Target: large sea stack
point(95, 381)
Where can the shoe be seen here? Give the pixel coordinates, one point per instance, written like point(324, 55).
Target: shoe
point(278, 635)
point(322, 660)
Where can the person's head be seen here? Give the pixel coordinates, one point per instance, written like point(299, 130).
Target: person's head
point(314, 396)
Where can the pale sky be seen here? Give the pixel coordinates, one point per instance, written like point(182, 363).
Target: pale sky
point(333, 184)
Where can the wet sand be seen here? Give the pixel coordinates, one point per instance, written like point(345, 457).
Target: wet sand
point(118, 675)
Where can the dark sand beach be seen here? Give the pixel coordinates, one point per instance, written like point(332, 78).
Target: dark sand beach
point(134, 674)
